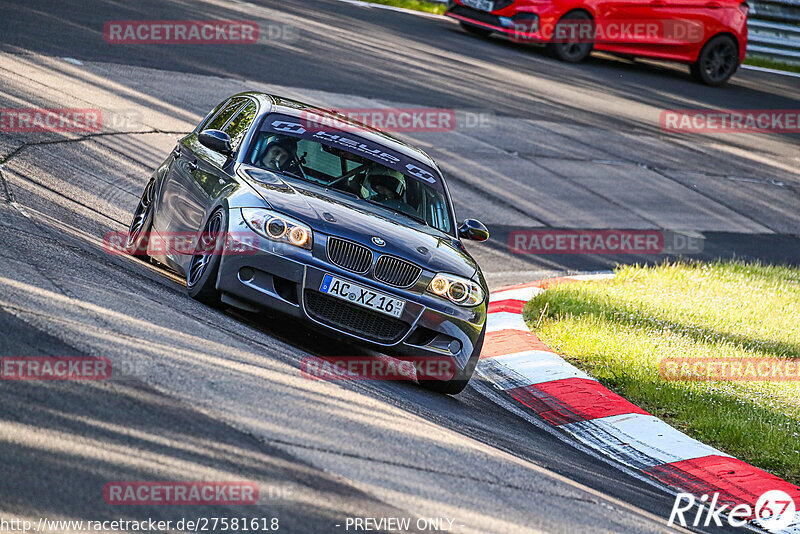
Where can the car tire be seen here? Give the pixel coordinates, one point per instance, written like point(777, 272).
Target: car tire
point(457, 383)
point(141, 223)
point(571, 52)
point(201, 277)
point(475, 30)
point(717, 62)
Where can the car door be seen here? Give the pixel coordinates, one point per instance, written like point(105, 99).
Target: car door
point(623, 24)
point(661, 28)
point(685, 24)
point(212, 173)
point(182, 211)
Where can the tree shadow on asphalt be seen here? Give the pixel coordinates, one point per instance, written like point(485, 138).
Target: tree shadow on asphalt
point(63, 441)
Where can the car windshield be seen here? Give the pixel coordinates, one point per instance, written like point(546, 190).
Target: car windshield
point(374, 174)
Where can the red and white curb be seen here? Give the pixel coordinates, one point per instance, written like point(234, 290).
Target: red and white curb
point(517, 363)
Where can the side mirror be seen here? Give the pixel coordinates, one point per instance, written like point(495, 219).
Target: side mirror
point(216, 140)
point(474, 230)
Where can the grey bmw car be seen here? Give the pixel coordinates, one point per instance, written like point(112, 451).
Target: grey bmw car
point(345, 227)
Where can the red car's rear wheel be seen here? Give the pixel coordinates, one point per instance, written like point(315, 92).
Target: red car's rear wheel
point(717, 62)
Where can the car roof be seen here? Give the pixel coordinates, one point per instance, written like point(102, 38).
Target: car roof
point(287, 106)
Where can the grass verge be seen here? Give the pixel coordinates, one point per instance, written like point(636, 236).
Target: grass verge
point(771, 64)
point(417, 5)
point(621, 329)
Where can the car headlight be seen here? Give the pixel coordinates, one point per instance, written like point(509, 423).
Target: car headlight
point(456, 289)
point(278, 227)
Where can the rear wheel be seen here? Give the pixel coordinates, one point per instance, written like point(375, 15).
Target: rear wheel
point(201, 280)
point(136, 242)
point(573, 37)
point(461, 378)
point(475, 30)
point(717, 62)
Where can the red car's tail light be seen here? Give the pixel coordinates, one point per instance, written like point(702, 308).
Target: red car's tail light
point(744, 7)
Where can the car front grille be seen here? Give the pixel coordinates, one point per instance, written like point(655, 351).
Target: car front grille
point(354, 319)
point(349, 255)
point(396, 272)
point(474, 14)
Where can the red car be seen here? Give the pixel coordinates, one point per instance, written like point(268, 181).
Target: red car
point(709, 35)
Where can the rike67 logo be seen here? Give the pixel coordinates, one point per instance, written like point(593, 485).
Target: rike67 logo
point(774, 511)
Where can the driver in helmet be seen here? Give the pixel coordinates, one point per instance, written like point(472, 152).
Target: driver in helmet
point(280, 153)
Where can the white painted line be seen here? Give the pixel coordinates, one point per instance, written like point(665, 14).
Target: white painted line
point(529, 368)
point(391, 8)
point(772, 71)
point(73, 60)
point(505, 321)
point(525, 294)
point(639, 440)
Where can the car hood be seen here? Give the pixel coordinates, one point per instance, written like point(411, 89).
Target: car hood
point(338, 214)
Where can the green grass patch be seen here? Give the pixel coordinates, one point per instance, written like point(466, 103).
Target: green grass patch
point(757, 61)
point(619, 330)
point(417, 5)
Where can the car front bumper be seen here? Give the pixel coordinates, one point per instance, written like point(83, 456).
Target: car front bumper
point(520, 22)
point(287, 279)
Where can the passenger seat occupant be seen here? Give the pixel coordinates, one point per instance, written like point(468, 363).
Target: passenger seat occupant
point(280, 153)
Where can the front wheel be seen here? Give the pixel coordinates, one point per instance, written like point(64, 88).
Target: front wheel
point(573, 38)
point(136, 242)
point(201, 279)
point(475, 30)
point(459, 381)
point(717, 62)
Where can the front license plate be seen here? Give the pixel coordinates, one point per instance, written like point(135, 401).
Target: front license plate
point(482, 5)
point(362, 296)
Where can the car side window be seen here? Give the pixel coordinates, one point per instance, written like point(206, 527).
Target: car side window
point(221, 119)
point(237, 127)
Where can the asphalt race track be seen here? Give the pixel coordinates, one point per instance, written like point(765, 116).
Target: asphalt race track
point(210, 395)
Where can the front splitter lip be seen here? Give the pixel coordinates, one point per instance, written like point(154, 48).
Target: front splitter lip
point(533, 38)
